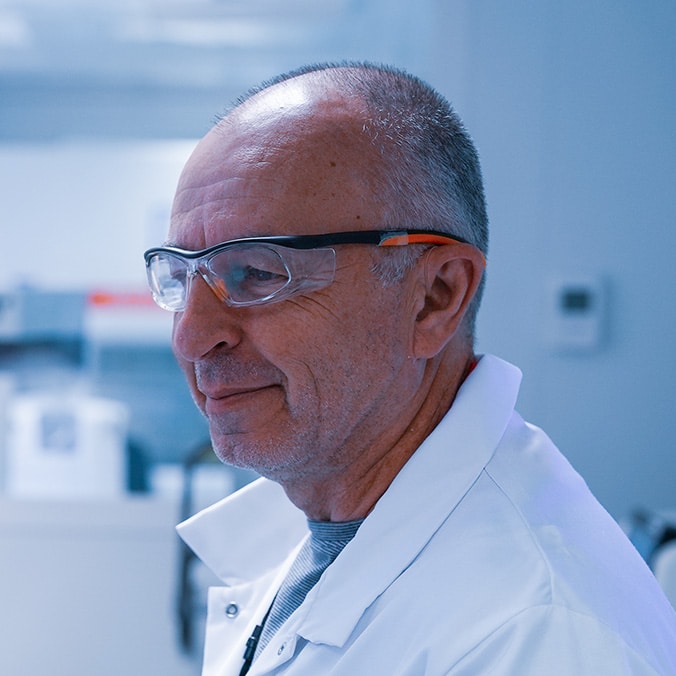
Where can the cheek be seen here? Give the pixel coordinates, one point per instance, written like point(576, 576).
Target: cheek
point(338, 357)
point(197, 396)
point(306, 343)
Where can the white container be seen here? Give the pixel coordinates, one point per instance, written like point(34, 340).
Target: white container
point(66, 447)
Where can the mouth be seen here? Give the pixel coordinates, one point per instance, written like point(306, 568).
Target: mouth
point(232, 399)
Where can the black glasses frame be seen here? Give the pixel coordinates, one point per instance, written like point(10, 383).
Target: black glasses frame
point(377, 237)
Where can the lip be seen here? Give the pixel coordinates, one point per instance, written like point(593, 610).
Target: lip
point(219, 402)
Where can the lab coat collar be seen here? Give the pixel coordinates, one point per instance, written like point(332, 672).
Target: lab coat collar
point(253, 531)
point(247, 534)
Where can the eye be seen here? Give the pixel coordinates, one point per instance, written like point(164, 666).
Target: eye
point(255, 281)
point(250, 272)
point(252, 275)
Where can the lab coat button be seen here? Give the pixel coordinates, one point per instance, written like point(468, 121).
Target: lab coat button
point(232, 610)
point(281, 648)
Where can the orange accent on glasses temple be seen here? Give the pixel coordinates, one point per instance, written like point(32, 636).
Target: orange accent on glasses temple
point(402, 240)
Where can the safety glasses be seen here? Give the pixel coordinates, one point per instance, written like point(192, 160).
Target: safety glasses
point(259, 270)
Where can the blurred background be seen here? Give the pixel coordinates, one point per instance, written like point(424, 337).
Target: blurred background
point(572, 106)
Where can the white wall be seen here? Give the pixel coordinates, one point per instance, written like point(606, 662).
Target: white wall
point(79, 214)
point(573, 107)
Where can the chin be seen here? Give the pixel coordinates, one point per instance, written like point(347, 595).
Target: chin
point(273, 460)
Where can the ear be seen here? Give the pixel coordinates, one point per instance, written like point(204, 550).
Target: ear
point(452, 274)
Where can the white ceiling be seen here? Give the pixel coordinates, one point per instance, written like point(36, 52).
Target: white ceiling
point(162, 40)
point(105, 67)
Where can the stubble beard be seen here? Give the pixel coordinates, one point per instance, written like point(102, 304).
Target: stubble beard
point(287, 454)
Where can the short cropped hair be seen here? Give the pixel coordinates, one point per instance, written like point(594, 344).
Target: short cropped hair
point(430, 175)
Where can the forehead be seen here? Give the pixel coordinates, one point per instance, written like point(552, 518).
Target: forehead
point(291, 161)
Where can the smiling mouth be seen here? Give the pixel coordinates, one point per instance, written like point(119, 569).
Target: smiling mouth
point(230, 398)
point(229, 393)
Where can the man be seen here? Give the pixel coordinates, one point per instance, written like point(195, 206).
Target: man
point(325, 261)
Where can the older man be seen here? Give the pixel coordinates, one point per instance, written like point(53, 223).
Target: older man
point(325, 260)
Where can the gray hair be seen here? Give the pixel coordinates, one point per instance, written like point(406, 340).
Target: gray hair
point(430, 175)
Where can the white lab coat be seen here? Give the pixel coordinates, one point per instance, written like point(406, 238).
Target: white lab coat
point(487, 555)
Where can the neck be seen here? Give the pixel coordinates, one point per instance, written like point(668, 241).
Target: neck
point(350, 491)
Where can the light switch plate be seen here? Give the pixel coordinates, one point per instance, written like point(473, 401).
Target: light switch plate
point(576, 311)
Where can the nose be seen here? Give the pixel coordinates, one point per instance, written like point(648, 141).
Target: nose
point(205, 323)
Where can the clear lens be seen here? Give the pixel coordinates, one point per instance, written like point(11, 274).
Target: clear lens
point(242, 274)
point(167, 276)
point(250, 273)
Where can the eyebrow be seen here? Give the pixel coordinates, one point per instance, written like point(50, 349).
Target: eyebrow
point(175, 244)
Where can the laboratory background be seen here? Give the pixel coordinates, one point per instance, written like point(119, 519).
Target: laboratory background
point(572, 105)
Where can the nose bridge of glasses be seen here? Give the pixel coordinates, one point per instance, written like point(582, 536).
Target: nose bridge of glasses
point(195, 267)
point(199, 267)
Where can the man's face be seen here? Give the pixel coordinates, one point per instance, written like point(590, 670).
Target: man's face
point(301, 387)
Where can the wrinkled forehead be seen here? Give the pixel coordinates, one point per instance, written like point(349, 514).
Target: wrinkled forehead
point(294, 146)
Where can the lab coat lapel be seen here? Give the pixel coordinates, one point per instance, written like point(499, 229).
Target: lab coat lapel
point(420, 499)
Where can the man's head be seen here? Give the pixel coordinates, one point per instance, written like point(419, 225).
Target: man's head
point(324, 381)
